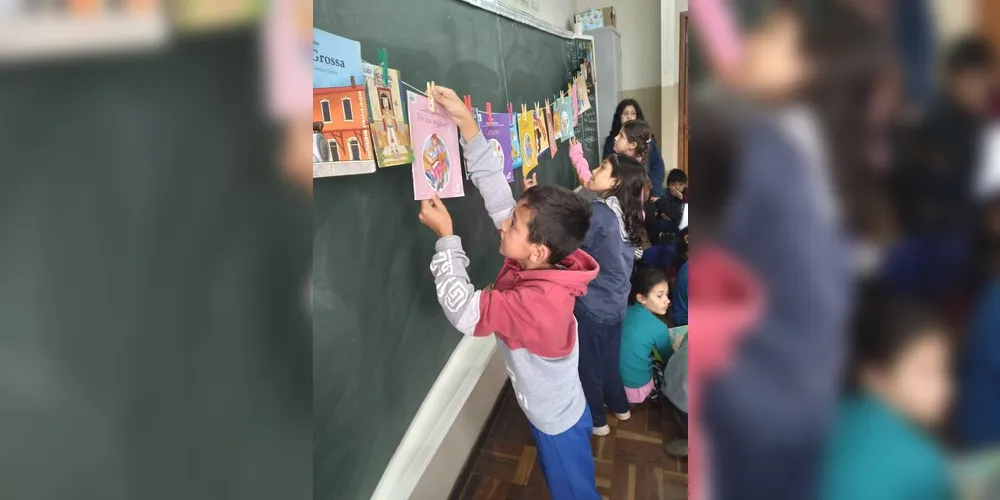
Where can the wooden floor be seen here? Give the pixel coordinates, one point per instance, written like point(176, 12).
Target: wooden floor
point(630, 462)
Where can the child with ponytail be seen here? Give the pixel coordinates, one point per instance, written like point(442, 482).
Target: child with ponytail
point(633, 140)
point(616, 230)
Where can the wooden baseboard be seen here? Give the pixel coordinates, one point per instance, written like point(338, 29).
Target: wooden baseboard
point(470, 462)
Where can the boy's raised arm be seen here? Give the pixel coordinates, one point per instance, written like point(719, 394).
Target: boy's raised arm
point(485, 167)
point(458, 298)
point(486, 172)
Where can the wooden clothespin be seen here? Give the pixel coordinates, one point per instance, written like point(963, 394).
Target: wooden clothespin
point(510, 109)
point(546, 104)
point(383, 60)
point(430, 89)
point(536, 107)
point(569, 88)
point(489, 113)
point(524, 108)
point(468, 101)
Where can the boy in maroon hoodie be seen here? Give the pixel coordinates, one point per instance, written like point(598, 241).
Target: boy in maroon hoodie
point(529, 308)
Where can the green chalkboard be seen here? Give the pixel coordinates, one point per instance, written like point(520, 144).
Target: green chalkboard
point(152, 280)
point(379, 337)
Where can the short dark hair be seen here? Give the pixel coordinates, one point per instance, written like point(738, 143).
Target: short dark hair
point(886, 324)
point(317, 126)
point(559, 219)
point(676, 175)
point(971, 53)
point(644, 278)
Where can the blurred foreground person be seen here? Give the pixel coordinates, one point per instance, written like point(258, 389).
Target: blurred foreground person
point(800, 187)
point(978, 416)
point(901, 386)
point(933, 181)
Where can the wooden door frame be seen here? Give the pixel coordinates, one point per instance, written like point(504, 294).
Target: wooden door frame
point(988, 12)
point(682, 94)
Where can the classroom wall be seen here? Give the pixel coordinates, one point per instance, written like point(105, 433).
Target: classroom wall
point(556, 12)
point(954, 17)
point(670, 11)
point(638, 23)
point(444, 468)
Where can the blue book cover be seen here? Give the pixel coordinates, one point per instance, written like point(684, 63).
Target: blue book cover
point(342, 143)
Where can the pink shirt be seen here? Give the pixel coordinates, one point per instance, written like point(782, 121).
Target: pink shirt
point(718, 32)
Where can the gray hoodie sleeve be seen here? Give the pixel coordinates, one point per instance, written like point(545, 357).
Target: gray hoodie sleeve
point(486, 171)
point(458, 298)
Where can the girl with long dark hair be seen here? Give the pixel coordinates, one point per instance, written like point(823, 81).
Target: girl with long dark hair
point(616, 230)
point(629, 110)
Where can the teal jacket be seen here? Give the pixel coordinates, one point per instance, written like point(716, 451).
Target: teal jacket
point(641, 332)
point(875, 454)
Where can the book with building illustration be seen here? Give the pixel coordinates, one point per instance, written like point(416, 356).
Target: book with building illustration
point(342, 143)
point(390, 131)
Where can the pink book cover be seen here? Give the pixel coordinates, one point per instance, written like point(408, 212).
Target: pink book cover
point(437, 164)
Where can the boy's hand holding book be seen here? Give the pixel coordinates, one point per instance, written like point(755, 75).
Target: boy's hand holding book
point(435, 216)
point(455, 108)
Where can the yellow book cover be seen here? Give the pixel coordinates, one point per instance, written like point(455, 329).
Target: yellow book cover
point(529, 143)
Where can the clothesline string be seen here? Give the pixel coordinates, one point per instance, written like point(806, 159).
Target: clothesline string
point(421, 92)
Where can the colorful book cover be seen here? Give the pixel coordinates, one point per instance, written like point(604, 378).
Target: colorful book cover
point(582, 94)
point(435, 142)
point(529, 146)
point(556, 120)
point(541, 132)
point(515, 143)
point(551, 131)
point(576, 104)
point(342, 143)
point(390, 132)
point(497, 133)
point(564, 117)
